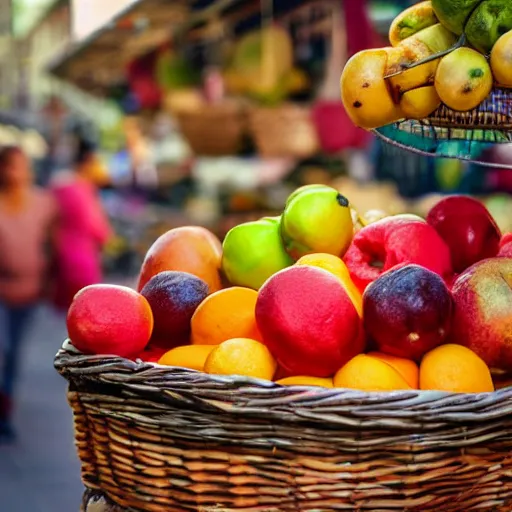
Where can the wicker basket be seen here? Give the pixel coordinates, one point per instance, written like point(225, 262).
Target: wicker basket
point(158, 439)
point(286, 131)
point(216, 129)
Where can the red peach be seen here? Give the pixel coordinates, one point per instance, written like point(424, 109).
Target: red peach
point(483, 311)
point(190, 249)
point(110, 319)
point(308, 321)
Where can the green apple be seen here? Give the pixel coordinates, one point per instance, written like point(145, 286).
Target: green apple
point(253, 252)
point(316, 219)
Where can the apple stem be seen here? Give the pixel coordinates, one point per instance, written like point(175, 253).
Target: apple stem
point(405, 67)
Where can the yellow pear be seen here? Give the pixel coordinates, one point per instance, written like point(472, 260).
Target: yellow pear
point(364, 91)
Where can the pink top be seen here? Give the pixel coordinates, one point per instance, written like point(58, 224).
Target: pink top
point(82, 231)
point(23, 261)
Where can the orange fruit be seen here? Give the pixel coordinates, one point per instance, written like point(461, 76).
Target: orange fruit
point(407, 368)
point(191, 249)
point(366, 373)
point(224, 315)
point(188, 356)
point(456, 369)
point(306, 381)
point(110, 319)
point(241, 356)
point(337, 267)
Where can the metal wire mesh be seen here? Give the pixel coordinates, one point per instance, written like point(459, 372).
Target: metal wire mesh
point(461, 135)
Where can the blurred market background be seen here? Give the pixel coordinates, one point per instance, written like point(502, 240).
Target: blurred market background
point(206, 112)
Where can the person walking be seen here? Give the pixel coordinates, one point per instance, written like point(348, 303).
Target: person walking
point(27, 217)
point(82, 230)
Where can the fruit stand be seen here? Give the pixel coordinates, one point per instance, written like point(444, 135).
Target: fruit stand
point(324, 358)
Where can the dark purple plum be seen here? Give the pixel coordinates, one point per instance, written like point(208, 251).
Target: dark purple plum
point(173, 297)
point(407, 311)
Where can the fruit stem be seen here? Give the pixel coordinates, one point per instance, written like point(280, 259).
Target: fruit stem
point(459, 44)
point(361, 221)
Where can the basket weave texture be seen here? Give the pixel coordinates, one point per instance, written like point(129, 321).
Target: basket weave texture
point(215, 130)
point(286, 131)
point(161, 439)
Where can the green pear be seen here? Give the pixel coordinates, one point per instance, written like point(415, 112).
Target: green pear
point(253, 252)
point(316, 219)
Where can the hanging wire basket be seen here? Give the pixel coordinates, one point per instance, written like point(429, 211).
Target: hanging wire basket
point(461, 135)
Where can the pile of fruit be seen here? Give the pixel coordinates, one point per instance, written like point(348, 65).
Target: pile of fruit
point(320, 296)
point(443, 51)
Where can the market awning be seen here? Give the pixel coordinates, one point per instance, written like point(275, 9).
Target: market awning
point(99, 62)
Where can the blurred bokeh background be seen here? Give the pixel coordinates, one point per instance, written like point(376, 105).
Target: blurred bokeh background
point(137, 116)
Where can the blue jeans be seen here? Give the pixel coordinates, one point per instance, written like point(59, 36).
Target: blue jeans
point(16, 321)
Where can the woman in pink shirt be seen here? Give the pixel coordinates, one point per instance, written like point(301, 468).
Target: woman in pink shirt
point(82, 230)
point(27, 215)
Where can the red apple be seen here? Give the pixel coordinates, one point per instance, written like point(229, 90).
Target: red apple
point(483, 311)
point(407, 311)
point(468, 228)
point(393, 241)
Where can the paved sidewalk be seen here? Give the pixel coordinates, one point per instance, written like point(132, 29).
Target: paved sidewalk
point(40, 473)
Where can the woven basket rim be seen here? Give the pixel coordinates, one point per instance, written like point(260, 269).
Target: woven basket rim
point(242, 395)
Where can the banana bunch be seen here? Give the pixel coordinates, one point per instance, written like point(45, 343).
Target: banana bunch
point(442, 51)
